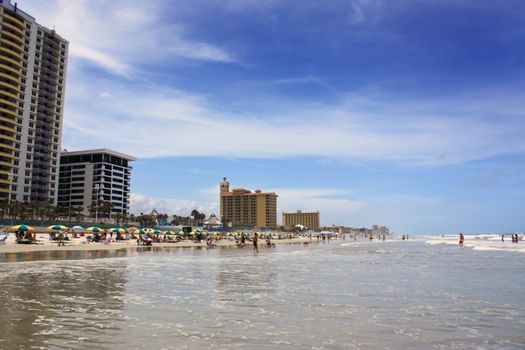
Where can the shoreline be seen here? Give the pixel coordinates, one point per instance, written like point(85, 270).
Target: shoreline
point(79, 244)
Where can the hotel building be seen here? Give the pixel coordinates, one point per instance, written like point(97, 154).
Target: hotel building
point(87, 177)
point(243, 208)
point(310, 220)
point(33, 61)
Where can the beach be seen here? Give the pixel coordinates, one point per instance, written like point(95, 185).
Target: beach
point(81, 244)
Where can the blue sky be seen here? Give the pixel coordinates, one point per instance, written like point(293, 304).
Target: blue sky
point(408, 114)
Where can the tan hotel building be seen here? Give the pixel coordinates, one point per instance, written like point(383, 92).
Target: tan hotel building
point(310, 220)
point(246, 209)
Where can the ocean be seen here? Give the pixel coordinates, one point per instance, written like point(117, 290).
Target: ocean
point(424, 293)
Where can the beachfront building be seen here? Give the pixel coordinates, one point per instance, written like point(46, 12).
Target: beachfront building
point(213, 223)
point(242, 208)
point(94, 179)
point(33, 61)
point(309, 220)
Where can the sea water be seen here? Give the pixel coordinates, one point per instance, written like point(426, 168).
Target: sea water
point(425, 293)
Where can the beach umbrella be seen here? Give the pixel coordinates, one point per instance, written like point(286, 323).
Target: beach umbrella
point(133, 228)
point(77, 228)
point(139, 231)
point(95, 229)
point(22, 228)
point(155, 232)
point(57, 228)
point(118, 230)
point(169, 232)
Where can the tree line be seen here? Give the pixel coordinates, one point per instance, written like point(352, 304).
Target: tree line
point(101, 210)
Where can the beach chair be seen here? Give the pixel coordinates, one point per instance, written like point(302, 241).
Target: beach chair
point(3, 238)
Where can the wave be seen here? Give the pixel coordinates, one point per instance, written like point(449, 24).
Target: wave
point(482, 242)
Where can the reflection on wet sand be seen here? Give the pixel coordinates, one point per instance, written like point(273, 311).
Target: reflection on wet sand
point(65, 300)
point(62, 255)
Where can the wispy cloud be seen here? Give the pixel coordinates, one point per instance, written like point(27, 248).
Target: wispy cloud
point(141, 203)
point(120, 35)
point(369, 126)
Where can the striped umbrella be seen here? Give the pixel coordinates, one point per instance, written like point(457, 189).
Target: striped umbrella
point(169, 232)
point(118, 230)
point(22, 228)
point(95, 229)
point(58, 228)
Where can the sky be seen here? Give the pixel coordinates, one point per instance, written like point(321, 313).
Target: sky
point(409, 114)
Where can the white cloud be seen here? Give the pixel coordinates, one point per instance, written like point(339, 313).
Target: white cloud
point(333, 201)
point(117, 35)
point(161, 121)
point(140, 203)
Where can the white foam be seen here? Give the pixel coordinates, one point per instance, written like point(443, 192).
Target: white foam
point(482, 242)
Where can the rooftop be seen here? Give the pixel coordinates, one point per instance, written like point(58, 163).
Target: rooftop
point(97, 151)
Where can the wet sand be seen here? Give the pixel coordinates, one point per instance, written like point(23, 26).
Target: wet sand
point(44, 244)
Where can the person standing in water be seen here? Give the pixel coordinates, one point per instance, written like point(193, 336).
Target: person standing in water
point(254, 240)
point(461, 239)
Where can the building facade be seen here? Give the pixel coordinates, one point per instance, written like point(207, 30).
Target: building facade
point(243, 208)
point(33, 63)
point(91, 178)
point(309, 220)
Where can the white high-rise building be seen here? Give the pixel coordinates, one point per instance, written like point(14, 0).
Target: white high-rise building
point(33, 62)
point(90, 178)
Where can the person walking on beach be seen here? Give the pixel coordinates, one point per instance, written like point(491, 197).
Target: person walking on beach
point(61, 239)
point(254, 240)
point(503, 238)
point(461, 239)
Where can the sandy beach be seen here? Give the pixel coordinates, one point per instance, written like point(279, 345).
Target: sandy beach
point(44, 244)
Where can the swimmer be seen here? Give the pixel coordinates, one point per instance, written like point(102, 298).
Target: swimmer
point(254, 240)
point(461, 239)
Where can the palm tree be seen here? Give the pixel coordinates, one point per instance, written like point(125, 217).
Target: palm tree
point(52, 212)
point(4, 207)
point(78, 213)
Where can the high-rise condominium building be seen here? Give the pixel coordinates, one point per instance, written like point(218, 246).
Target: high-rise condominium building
point(33, 61)
point(246, 209)
point(310, 220)
point(90, 178)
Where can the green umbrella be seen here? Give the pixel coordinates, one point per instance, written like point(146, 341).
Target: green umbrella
point(118, 230)
point(77, 228)
point(58, 227)
point(95, 229)
point(22, 228)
